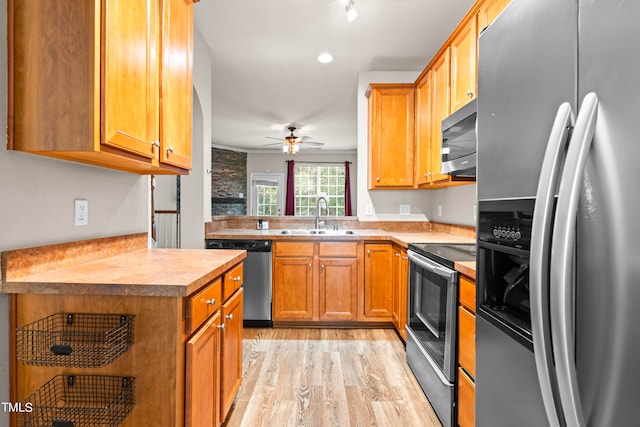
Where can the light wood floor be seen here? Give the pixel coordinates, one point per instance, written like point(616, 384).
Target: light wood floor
point(328, 377)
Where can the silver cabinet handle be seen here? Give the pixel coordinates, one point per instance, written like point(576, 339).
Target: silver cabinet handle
point(309, 265)
point(238, 279)
point(221, 326)
point(540, 249)
point(378, 179)
point(562, 255)
point(368, 251)
point(397, 253)
point(469, 93)
point(211, 301)
point(229, 316)
point(405, 257)
point(170, 149)
point(322, 266)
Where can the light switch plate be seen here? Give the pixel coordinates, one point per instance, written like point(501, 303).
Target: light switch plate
point(405, 209)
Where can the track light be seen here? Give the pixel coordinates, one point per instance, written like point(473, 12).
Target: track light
point(350, 10)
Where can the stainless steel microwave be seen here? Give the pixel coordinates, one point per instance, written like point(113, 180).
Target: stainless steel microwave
point(459, 142)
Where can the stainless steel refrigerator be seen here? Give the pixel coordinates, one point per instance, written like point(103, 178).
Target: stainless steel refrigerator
point(558, 148)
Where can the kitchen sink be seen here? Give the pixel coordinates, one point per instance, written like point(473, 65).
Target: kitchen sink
point(316, 231)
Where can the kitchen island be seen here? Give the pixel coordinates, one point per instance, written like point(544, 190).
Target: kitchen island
point(182, 330)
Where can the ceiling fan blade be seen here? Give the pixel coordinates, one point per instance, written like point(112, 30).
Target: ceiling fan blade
point(274, 143)
point(271, 137)
point(313, 143)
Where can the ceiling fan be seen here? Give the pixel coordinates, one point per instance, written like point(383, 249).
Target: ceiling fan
point(292, 143)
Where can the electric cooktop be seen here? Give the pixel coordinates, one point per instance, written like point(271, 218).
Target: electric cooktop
point(446, 253)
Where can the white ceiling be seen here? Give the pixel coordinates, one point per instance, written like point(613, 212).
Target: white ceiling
point(265, 70)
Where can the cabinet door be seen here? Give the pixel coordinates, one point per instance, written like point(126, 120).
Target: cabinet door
point(467, 340)
point(391, 135)
point(489, 11)
point(176, 89)
point(378, 280)
point(338, 289)
point(440, 110)
point(130, 76)
point(463, 66)
point(231, 352)
point(293, 288)
point(466, 400)
point(423, 126)
point(202, 376)
point(400, 275)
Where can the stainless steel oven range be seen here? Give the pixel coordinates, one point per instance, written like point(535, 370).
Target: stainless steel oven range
point(432, 321)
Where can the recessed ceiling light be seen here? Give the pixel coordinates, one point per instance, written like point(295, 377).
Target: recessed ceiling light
point(325, 58)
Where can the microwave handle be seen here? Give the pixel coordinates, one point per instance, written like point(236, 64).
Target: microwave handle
point(429, 265)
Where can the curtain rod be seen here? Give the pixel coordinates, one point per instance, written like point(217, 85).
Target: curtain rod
point(318, 163)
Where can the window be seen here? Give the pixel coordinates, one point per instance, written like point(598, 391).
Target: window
point(266, 194)
point(313, 181)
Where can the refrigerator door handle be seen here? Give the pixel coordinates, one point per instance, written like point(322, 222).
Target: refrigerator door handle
point(562, 256)
point(539, 256)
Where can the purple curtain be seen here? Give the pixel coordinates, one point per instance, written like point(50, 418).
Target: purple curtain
point(290, 201)
point(347, 190)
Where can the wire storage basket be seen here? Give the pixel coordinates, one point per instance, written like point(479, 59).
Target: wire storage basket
point(80, 401)
point(77, 340)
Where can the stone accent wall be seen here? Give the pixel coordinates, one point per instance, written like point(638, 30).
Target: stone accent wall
point(228, 182)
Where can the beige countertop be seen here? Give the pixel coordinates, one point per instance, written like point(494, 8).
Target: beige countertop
point(141, 272)
point(401, 238)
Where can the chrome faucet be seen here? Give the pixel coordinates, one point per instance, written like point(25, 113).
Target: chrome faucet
point(326, 205)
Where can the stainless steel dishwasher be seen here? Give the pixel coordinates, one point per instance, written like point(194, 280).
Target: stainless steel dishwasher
point(257, 278)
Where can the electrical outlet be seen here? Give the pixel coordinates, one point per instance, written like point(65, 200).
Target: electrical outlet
point(368, 209)
point(81, 211)
point(405, 209)
point(439, 210)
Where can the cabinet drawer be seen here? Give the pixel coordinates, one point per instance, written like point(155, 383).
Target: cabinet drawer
point(294, 249)
point(467, 340)
point(232, 281)
point(466, 400)
point(338, 250)
point(468, 294)
point(202, 304)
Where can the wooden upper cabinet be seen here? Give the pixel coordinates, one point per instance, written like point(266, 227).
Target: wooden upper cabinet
point(131, 76)
point(176, 92)
point(391, 135)
point(463, 65)
point(489, 11)
point(440, 109)
point(424, 97)
point(87, 78)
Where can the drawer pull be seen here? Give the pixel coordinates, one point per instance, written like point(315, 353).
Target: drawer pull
point(211, 301)
point(221, 326)
point(229, 316)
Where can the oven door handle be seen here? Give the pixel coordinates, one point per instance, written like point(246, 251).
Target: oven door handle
point(562, 286)
point(429, 265)
point(539, 258)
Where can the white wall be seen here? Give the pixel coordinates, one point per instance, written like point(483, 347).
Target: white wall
point(276, 163)
point(36, 204)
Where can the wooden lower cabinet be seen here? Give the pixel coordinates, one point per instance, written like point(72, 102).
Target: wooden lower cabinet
point(231, 359)
point(400, 289)
point(202, 378)
point(315, 281)
point(466, 352)
point(466, 400)
point(338, 289)
point(292, 288)
point(378, 282)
